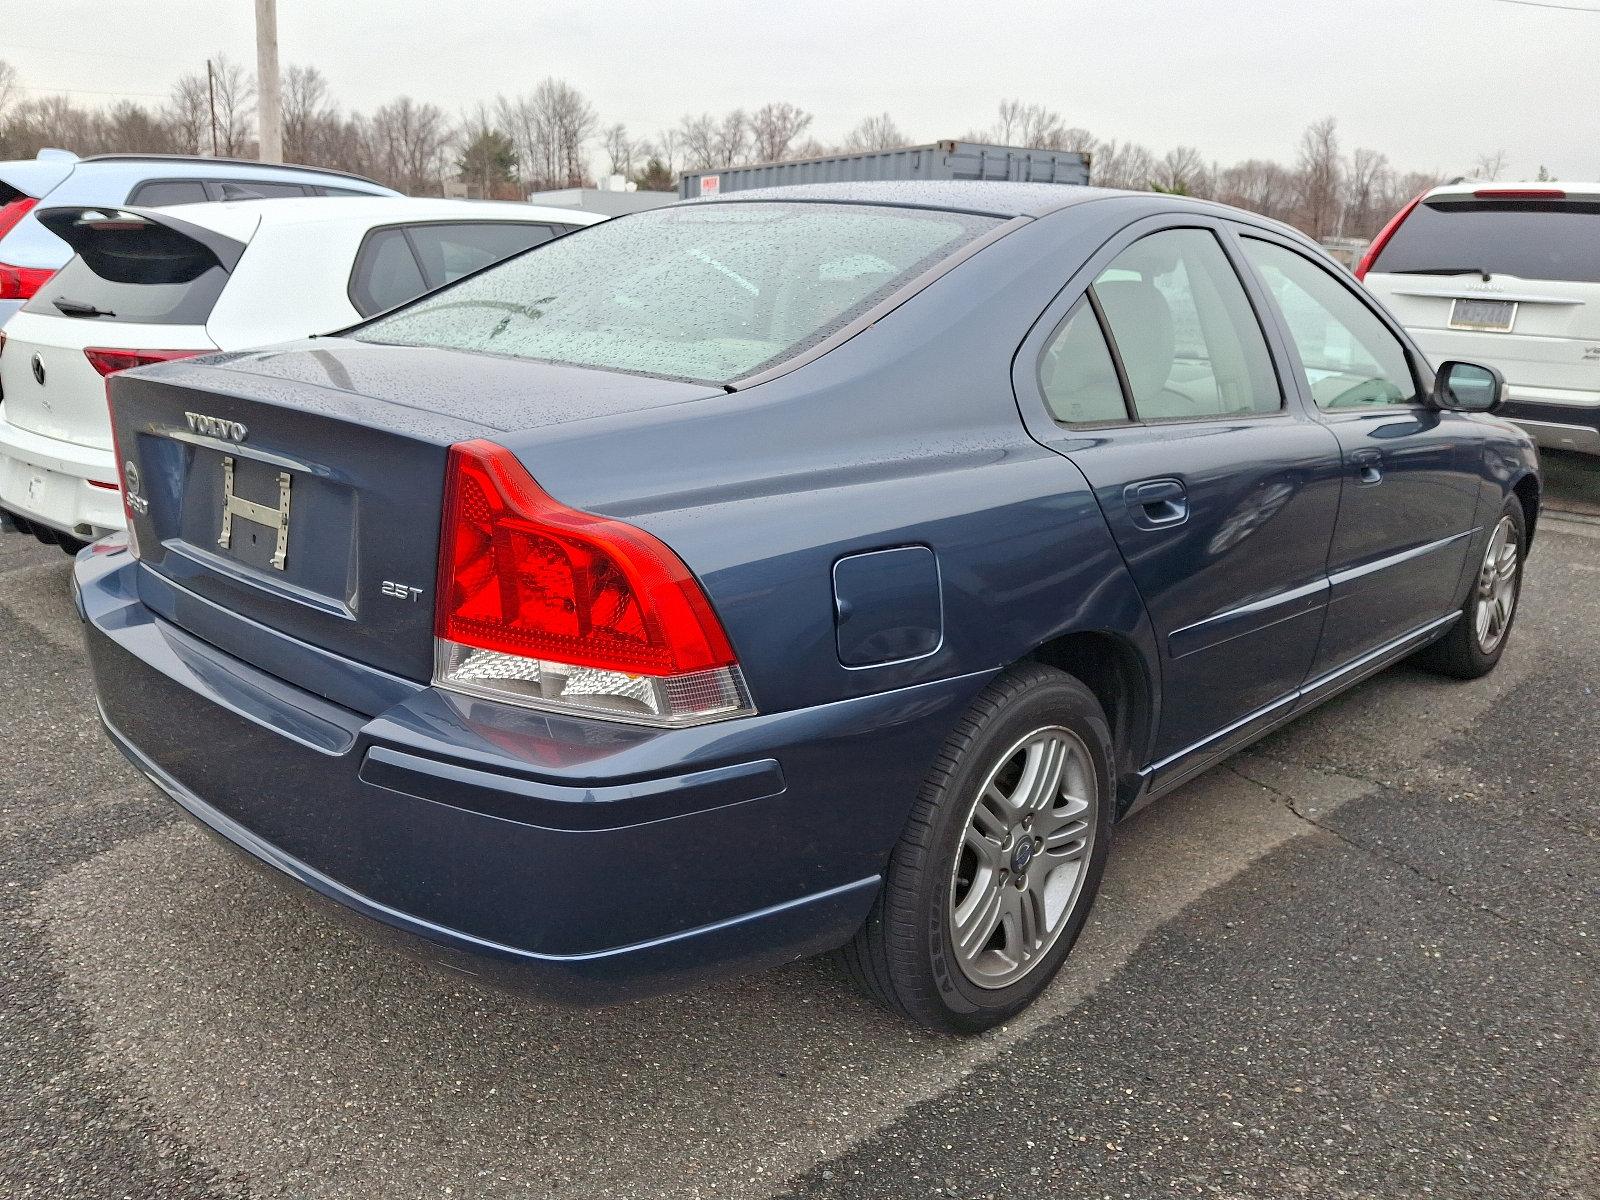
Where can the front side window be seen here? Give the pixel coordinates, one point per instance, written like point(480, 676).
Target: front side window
point(1183, 327)
point(709, 292)
point(1351, 359)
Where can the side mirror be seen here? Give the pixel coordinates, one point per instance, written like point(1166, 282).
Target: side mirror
point(1468, 387)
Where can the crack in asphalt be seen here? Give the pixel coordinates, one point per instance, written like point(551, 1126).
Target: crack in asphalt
point(1446, 888)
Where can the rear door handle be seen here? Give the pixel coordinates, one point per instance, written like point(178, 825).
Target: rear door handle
point(1157, 503)
point(1368, 465)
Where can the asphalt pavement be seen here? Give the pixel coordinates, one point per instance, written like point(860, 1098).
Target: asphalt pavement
point(1357, 961)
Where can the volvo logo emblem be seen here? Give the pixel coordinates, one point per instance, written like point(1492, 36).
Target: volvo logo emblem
point(227, 431)
point(1022, 856)
point(38, 370)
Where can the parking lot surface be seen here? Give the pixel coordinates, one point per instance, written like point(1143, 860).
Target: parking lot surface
point(1358, 961)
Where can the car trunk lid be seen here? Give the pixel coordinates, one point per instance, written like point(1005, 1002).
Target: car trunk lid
point(303, 489)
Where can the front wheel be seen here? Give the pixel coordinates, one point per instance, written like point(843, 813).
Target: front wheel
point(996, 872)
point(1476, 641)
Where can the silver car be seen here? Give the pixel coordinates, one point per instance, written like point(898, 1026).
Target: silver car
point(30, 253)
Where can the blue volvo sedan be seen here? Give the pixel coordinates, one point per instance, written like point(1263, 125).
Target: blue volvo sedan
point(816, 569)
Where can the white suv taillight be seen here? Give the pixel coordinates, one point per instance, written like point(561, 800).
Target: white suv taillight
point(553, 608)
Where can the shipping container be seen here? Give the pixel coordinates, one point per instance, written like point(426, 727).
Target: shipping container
point(941, 160)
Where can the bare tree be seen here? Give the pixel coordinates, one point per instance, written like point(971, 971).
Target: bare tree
point(1490, 166)
point(620, 149)
point(733, 139)
point(409, 140)
point(1365, 180)
point(570, 121)
point(1180, 171)
point(188, 115)
point(8, 86)
point(235, 90)
point(774, 128)
point(1124, 165)
point(310, 122)
point(698, 138)
point(1320, 173)
point(1264, 187)
point(875, 133)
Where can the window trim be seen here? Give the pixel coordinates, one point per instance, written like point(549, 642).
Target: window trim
point(1332, 269)
point(1100, 261)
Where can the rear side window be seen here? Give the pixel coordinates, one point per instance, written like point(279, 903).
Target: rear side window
point(710, 292)
point(385, 273)
point(1077, 374)
point(135, 272)
point(1183, 327)
point(1530, 239)
point(1351, 359)
point(448, 252)
point(258, 189)
point(161, 192)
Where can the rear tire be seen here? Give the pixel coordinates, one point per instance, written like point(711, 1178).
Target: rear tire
point(965, 932)
point(1477, 640)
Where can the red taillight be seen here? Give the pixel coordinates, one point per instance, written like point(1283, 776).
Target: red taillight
point(108, 360)
point(12, 213)
point(1519, 194)
point(543, 604)
point(20, 283)
point(1384, 234)
point(129, 502)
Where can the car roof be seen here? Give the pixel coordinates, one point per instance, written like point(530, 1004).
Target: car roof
point(998, 198)
point(239, 219)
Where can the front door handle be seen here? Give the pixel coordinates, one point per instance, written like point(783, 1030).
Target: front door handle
point(1368, 465)
point(1157, 503)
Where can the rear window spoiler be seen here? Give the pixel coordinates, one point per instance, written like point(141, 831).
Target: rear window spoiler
point(34, 178)
point(98, 232)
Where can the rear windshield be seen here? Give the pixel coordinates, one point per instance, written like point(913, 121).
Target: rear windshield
point(1533, 240)
point(146, 275)
point(703, 292)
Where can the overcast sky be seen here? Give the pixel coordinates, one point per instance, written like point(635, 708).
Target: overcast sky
point(1432, 83)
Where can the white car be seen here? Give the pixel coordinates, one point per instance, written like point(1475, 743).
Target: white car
point(1506, 274)
point(151, 284)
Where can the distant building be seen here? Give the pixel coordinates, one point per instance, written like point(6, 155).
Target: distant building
point(614, 197)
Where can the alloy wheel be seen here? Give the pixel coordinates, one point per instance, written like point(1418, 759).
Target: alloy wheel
point(1497, 587)
point(1025, 850)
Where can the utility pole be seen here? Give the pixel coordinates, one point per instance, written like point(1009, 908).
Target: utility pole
point(211, 93)
point(269, 99)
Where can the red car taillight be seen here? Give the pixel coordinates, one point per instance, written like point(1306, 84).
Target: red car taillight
point(19, 283)
point(108, 360)
point(544, 605)
point(1384, 234)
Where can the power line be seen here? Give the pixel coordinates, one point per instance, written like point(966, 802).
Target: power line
point(1575, 8)
point(29, 87)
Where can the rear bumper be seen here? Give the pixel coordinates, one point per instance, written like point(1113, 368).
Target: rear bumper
point(1556, 426)
point(583, 861)
point(48, 482)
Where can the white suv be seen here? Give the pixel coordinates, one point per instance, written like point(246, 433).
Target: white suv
point(152, 284)
point(1506, 274)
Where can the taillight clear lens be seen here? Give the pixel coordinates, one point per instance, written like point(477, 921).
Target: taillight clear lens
point(543, 605)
